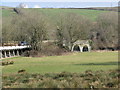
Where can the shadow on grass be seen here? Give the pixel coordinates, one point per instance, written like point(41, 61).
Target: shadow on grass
point(106, 63)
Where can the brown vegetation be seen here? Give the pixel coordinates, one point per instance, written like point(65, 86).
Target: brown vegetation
point(7, 62)
point(88, 79)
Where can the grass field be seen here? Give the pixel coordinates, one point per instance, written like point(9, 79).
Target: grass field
point(7, 13)
point(75, 62)
point(53, 13)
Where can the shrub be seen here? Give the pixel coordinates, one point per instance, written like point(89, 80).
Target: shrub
point(99, 79)
point(26, 53)
point(7, 62)
point(48, 49)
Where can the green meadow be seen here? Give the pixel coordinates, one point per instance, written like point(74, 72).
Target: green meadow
point(54, 13)
point(73, 62)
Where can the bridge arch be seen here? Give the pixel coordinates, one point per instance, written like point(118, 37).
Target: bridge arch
point(76, 48)
point(85, 48)
point(81, 48)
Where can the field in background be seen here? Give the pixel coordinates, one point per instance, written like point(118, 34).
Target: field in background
point(75, 62)
point(53, 13)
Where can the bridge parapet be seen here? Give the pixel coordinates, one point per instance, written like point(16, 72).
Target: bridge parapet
point(13, 47)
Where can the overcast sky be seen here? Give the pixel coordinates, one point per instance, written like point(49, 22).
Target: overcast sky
point(60, 0)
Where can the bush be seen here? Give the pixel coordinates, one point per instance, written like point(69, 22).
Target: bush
point(33, 53)
point(26, 53)
point(48, 49)
point(7, 62)
point(88, 79)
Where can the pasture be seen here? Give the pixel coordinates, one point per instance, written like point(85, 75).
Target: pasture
point(53, 14)
point(73, 62)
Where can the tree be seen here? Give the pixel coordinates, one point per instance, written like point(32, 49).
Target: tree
point(0, 30)
point(7, 30)
point(72, 27)
point(30, 27)
point(17, 10)
point(107, 30)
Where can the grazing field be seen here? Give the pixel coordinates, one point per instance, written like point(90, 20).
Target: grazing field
point(7, 13)
point(53, 14)
point(74, 62)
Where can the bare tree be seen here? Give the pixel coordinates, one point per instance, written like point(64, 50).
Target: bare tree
point(30, 27)
point(72, 27)
point(7, 29)
point(107, 29)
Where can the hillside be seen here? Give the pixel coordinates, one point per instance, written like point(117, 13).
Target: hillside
point(53, 13)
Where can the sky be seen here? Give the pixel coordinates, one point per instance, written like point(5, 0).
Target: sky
point(59, 0)
point(60, 3)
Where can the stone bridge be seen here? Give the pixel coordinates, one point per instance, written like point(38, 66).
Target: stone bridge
point(12, 51)
point(81, 45)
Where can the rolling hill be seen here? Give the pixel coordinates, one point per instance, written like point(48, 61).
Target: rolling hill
point(53, 13)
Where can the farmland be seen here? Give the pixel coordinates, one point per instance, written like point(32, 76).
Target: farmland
point(75, 62)
point(53, 13)
point(75, 70)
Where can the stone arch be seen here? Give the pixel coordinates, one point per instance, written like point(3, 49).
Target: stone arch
point(76, 48)
point(86, 48)
point(81, 47)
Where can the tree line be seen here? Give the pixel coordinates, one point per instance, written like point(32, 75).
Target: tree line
point(69, 27)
